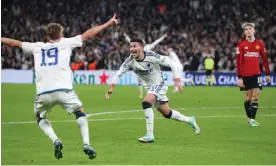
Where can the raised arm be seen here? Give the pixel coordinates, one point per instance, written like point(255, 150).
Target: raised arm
point(152, 45)
point(26, 46)
point(94, 31)
point(123, 69)
point(127, 37)
point(11, 42)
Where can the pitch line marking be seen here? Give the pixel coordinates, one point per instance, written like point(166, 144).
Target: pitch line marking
point(135, 118)
point(183, 108)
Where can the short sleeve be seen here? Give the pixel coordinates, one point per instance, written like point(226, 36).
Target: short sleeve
point(28, 47)
point(75, 41)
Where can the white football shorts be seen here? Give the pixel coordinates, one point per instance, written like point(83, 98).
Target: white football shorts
point(160, 91)
point(67, 99)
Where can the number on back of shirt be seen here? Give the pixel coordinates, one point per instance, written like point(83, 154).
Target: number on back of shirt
point(49, 57)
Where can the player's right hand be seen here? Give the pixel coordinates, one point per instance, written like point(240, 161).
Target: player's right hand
point(240, 83)
point(178, 84)
point(107, 95)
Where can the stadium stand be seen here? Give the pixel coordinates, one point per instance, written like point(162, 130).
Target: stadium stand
point(195, 28)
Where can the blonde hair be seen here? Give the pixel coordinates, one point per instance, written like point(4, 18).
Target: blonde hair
point(248, 24)
point(54, 30)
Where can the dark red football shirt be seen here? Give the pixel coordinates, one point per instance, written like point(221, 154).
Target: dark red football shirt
point(248, 58)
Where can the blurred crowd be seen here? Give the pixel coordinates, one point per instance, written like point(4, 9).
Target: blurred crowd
point(196, 29)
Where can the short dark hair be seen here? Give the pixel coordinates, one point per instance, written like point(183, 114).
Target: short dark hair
point(138, 41)
point(54, 30)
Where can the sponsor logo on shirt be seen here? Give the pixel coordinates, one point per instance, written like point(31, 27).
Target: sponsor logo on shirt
point(251, 54)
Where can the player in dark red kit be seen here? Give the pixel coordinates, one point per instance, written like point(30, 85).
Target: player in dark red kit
point(249, 52)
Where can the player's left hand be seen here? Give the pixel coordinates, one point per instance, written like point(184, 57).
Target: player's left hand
point(267, 79)
point(114, 19)
point(240, 83)
point(177, 84)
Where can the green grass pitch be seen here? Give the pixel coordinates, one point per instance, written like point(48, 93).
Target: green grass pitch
point(225, 137)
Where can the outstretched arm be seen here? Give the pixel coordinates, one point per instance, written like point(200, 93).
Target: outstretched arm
point(26, 46)
point(11, 42)
point(123, 69)
point(94, 31)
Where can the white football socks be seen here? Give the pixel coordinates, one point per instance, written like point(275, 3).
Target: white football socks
point(83, 125)
point(180, 117)
point(149, 120)
point(46, 127)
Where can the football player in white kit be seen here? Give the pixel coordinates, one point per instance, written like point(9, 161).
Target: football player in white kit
point(147, 66)
point(54, 80)
point(172, 55)
point(148, 47)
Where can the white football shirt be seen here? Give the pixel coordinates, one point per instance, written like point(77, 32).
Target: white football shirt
point(148, 69)
point(52, 63)
point(175, 59)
